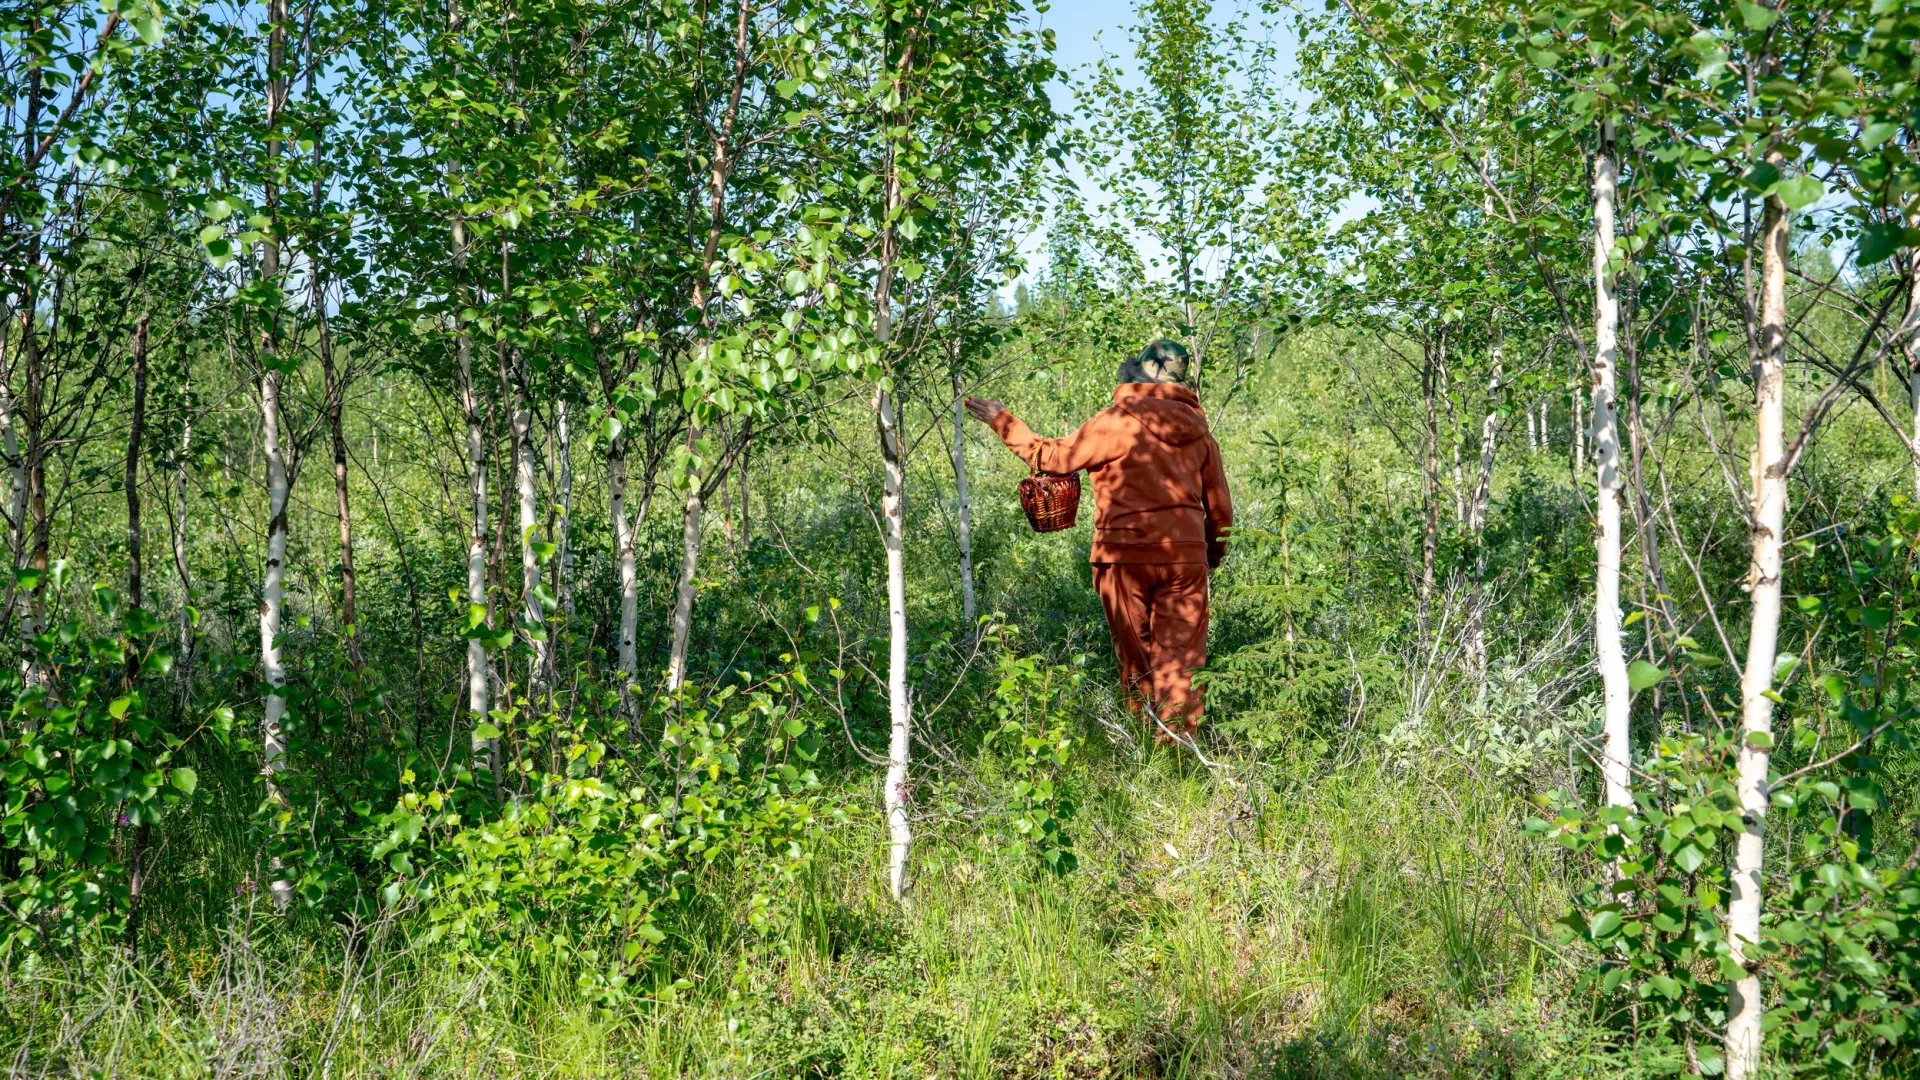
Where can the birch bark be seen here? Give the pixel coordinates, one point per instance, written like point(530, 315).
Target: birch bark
point(563, 527)
point(628, 570)
point(534, 613)
point(273, 666)
point(1617, 753)
point(136, 429)
point(137, 845)
point(900, 706)
point(719, 168)
point(1577, 424)
point(1744, 1007)
point(35, 618)
point(1912, 343)
point(16, 462)
point(479, 692)
point(1477, 513)
point(1430, 496)
point(32, 673)
point(273, 584)
point(180, 567)
point(893, 512)
point(335, 389)
point(691, 520)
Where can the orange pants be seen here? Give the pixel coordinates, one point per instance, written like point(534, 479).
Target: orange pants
point(1157, 613)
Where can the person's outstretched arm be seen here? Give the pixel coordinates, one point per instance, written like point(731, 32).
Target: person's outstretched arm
point(1213, 490)
point(1099, 440)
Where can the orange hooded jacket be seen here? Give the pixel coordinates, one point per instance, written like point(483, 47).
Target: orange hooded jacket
point(1160, 494)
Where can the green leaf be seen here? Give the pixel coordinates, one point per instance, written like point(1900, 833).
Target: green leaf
point(1641, 675)
point(1878, 241)
point(1843, 1052)
point(185, 779)
point(1800, 192)
point(1756, 16)
point(1689, 858)
point(485, 730)
point(1762, 177)
point(1604, 925)
point(1878, 132)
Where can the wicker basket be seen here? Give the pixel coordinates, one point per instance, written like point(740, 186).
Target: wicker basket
point(1051, 502)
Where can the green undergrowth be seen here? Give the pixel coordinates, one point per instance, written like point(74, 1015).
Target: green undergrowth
point(1240, 920)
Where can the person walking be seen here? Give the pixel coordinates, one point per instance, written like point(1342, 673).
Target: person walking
point(1161, 518)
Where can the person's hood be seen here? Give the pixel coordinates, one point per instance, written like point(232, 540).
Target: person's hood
point(1170, 412)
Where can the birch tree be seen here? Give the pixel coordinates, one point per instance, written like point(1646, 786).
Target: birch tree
point(1769, 487)
point(919, 81)
point(1610, 653)
point(479, 607)
point(1913, 337)
point(273, 364)
point(722, 160)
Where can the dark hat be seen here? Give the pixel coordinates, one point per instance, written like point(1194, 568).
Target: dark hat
point(1163, 361)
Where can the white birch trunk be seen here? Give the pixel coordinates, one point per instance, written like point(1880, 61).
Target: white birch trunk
point(690, 525)
point(1577, 429)
point(1756, 681)
point(180, 567)
point(893, 511)
point(1617, 754)
point(273, 667)
point(10, 446)
point(964, 508)
point(1912, 343)
point(900, 732)
point(479, 691)
point(1477, 513)
point(33, 538)
point(532, 610)
point(1460, 494)
point(563, 526)
point(1429, 491)
point(629, 574)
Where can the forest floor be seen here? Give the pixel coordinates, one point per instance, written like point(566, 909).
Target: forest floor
point(1379, 919)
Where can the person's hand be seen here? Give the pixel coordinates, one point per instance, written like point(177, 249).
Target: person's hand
point(984, 409)
point(1216, 553)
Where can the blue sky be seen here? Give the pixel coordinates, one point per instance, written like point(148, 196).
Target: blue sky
point(1085, 30)
point(1075, 25)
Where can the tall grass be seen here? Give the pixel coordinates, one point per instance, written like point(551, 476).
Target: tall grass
point(1242, 920)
